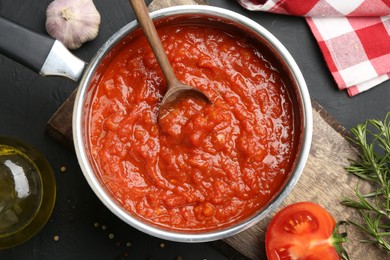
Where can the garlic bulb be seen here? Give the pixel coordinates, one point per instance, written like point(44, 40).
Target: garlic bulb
point(72, 22)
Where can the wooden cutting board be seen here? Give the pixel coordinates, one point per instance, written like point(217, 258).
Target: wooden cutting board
point(323, 180)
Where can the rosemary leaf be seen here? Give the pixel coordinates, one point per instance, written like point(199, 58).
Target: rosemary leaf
point(373, 165)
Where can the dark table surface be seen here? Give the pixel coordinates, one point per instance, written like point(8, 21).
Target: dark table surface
point(27, 101)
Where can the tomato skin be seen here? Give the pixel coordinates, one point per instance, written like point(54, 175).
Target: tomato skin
point(301, 230)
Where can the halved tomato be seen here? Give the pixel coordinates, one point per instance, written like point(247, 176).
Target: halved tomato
point(304, 230)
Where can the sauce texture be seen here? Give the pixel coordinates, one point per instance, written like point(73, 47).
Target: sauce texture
point(203, 166)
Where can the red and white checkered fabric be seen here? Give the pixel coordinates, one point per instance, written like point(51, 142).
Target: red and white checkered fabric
point(353, 35)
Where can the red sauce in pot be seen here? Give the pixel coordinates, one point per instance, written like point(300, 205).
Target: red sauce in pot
point(204, 166)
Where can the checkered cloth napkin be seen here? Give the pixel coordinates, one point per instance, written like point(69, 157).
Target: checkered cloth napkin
point(353, 35)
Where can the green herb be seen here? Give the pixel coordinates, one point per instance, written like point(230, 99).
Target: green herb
point(338, 238)
point(373, 166)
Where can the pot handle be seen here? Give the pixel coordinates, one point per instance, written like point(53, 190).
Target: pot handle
point(40, 53)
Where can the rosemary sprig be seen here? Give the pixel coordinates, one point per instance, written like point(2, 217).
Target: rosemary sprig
point(373, 139)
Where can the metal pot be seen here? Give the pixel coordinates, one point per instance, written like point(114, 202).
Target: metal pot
point(69, 66)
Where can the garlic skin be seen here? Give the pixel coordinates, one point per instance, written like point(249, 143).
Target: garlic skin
point(72, 22)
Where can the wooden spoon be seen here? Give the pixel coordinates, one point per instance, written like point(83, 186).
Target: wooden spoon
point(175, 88)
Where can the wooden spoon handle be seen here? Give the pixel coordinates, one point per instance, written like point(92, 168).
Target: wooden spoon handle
point(142, 13)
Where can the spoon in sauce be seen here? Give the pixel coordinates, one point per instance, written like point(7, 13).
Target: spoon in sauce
point(175, 88)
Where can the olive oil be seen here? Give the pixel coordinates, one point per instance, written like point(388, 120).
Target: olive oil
point(27, 192)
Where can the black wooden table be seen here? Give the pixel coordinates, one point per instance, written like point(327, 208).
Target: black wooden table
point(84, 228)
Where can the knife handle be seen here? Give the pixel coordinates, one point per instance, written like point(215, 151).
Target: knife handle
point(23, 45)
point(38, 52)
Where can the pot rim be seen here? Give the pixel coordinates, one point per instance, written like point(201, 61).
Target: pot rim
point(179, 236)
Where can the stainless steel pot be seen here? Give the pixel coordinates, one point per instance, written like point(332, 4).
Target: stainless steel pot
point(75, 69)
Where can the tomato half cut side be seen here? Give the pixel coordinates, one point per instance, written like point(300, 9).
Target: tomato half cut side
point(302, 230)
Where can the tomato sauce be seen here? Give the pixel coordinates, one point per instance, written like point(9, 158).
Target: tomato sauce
point(203, 166)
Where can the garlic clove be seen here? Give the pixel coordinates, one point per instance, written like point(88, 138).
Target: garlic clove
point(73, 22)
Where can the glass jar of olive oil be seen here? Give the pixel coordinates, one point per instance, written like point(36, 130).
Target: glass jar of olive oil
point(27, 192)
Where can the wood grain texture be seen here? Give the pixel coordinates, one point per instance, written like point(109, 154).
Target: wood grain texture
point(324, 179)
point(159, 4)
point(59, 126)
